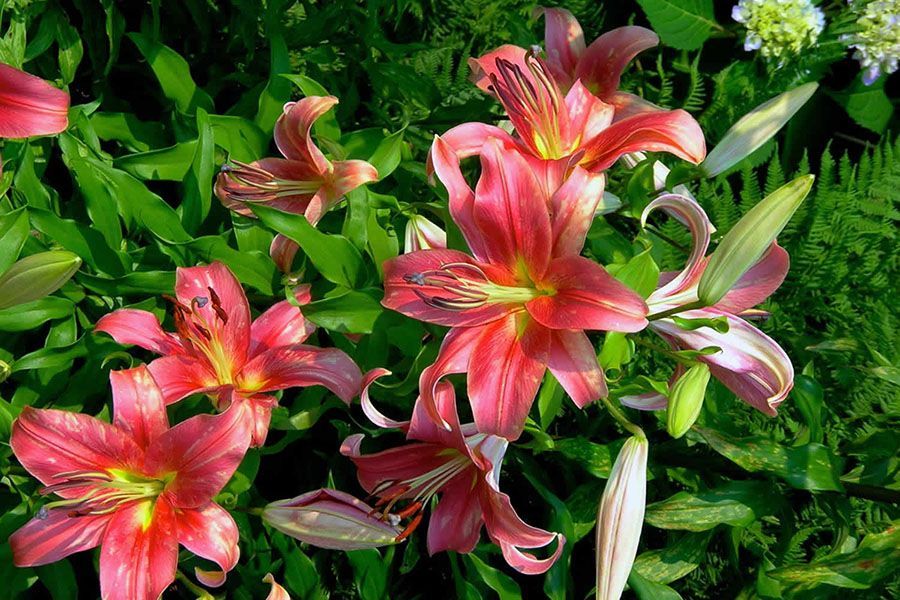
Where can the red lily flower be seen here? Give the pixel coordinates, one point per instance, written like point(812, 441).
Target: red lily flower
point(29, 105)
point(521, 305)
point(459, 464)
point(303, 182)
point(216, 348)
point(136, 488)
point(750, 363)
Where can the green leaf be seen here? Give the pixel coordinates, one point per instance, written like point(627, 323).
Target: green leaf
point(682, 24)
point(674, 561)
point(737, 503)
point(549, 400)
point(349, 312)
point(165, 164)
point(173, 74)
point(645, 589)
point(506, 588)
point(34, 314)
point(387, 155)
point(640, 273)
point(251, 268)
point(14, 229)
point(59, 577)
point(595, 458)
point(809, 467)
point(868, 105)
point(199, 177)
point(719, 324)
point(81, 239)
point(277, 91)
point(334, 256)
point(243, 140)
point(369, 573)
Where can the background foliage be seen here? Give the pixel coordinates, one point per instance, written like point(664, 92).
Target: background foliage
point(799, 506)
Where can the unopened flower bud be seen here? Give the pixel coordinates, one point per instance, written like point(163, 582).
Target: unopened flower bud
point(620, 518)
point(422, 234)
point(750, 238)
point(686, 400)
point(756, 128)
point(36, 276)
point(332, 519)
point(5, 370)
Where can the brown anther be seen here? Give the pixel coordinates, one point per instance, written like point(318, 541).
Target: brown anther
point(217, 305)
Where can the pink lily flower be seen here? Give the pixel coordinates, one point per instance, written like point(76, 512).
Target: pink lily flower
point(303, 182)
point(460, 465)
point(216, 349)
point(750, 364)
point(29, 105)
point(135, 487)
point(522, 302)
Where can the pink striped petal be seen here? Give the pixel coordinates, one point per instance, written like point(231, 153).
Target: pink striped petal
point(758, 283)
point(589, 115)
point(302, 366)
point(281, 325)
point(349, 175)
point(486, 64)
point(462, 198)
point(138, 405)
point(587, 297)
point(455, 523)
point(139, 553)
point(210, 533)
point(292, 131)
point(424, 428)
point(203, 453)
point(372, 413)
point(506, 374)
point(453, 357)
point(29, 105)
point(673, 131)
point(647, 401)
point(509, 532)
point(573, 361)
point(563, 42)
point(260, 406)
point(395, 464)
point(572, 207)
point(287, 185)
point(750, 364)
point(277, 592)
point(601, 65)
point(47, 540)
point(180, 376)
point(49, 442)
point(467, 139)
point(283, 250)
point(129, 326)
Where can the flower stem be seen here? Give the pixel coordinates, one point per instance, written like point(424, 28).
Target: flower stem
point(193, 587)
point(674, 311)
point(619, 416)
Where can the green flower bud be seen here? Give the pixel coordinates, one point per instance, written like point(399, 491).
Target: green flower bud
point(5, 370)
point(748, 240)
point(36, 276)
point(756, 128)
point(686, 400)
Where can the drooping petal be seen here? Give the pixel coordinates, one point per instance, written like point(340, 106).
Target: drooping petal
point(281, 325)
point(572, 208)
point(508, 531)
point(372, 413)
point(129, 326)
point(673, 131)
point(292, 131)
point(424, 428)
point(589, 115)
point(301, 366)
point(509, 360)
point(203, 453)
point(277, 592)
point(462, 198)
point(573, 361)
point(453, 357)
point(349, 175)
point(587, 297)
point(180, 376)
point(49, 442)
point(645, 401)
point(138, 405)
point(283, 250)
point(139, 553)
point(42, 541)
point(758, 283)
point(260, 406)
point(408, 289)
point(467, 139)
point(210, 533)
point(230, 328)
point(689, 212)
point(287, 185)
point(563, 42)
point(455, 523)
point(29, 105)
point(512, 212)
point(601, 65)
point(395, 464)
point(750, 364)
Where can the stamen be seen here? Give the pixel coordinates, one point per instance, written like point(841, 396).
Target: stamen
point(105, 493)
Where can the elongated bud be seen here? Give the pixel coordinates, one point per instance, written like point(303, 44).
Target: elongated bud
point(620, 518)
point(422, 234)
point(332, 519)
point(36, 276)
point(686, 400)
point(277, 592)
point(748, 240)
point(756, 128)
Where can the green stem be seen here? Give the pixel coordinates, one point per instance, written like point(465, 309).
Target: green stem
point(676, 310)
point(193, 587)
point(619, 416)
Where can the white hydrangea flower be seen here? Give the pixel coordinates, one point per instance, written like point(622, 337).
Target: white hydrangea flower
point(877, 40)
point(778, 28)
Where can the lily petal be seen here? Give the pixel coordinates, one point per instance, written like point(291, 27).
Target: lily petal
point(29, 105)
point(508, 531)
point(587, 297)
point(468, 138)
point(284, 184)
point(139, 553)
point(455, 523)
point(203, 452)
point(563, 41)
point(602, 63)
point(292, 131)
point(179, 376)
point(47, 540)
point(211, 533)
point(283, 250)
point(281, 325)
point(573, 361)
point(349, 175)
point(462, 198)
point(506, 374)
point(277, 592)
point(138, 406)
point(129, 326)
point(750, 364)
point(395, 464)
point(300, 366)
point(486, 65)
point(453, 357)
point(572, 207)
point(758, 283)
point(373, 414)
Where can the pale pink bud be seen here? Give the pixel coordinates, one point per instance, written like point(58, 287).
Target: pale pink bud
point(620, 518)
point(422, 234)
point(332, 519)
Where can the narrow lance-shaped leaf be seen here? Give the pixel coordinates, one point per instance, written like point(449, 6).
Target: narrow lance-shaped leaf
point(748, 240)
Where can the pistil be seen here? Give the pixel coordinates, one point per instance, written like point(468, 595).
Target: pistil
point(259, 185)
point(464, 286)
